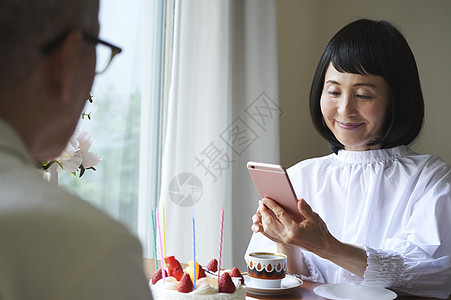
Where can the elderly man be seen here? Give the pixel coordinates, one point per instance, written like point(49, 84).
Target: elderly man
point(53, 244)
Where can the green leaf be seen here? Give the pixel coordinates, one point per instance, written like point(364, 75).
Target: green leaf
point(82, 170)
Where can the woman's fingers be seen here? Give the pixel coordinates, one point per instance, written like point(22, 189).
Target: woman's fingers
point(269, 221)
point(278, 211)
point(273, 222)
point(255, 219)
point(305, 209)
point(266, 222)
point(255, 228)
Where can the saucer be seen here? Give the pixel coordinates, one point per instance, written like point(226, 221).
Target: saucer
point(341, 291)
point(288, 283)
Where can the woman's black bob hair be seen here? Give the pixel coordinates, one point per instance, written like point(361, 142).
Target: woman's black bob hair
point(370, 47)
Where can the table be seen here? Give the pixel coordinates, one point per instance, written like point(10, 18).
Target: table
point(304, 292)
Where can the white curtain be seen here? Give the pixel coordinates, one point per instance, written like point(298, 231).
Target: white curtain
point(222, 111)
point(151, 121)
point(114, 125)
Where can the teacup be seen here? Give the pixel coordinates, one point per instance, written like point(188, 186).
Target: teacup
point(266, 269)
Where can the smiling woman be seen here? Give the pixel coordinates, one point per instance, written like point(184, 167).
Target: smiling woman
point(390, 64)
point(375, 212)
point(306, 26)
point(354, 108)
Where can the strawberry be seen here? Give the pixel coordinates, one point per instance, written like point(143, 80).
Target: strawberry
point(226, 284)
point(185, 285)
point(174, 267)
point(171, 261)
point(236, 273)
point(212, 265)
point(178, 273)
point(158, 275)
point(201, 272)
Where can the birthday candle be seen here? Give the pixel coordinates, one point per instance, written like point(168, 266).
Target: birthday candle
point(164, 233)
point(154, 234)
point(194, 255)
point(161, 244)
point(221, 227)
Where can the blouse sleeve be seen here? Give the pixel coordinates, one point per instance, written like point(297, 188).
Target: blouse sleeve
point(418, 261)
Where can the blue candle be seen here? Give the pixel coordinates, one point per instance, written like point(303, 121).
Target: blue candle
point(194, 255)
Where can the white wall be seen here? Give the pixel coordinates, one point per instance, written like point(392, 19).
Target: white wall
point(305, 27)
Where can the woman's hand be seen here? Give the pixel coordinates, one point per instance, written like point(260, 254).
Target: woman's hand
point(272, 221)
point(258, 227)
point(311, 234)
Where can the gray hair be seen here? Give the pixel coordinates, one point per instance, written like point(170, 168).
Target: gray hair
point(26, 25)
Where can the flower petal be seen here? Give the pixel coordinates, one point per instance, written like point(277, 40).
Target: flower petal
point(84, 140)
point(90, 159)
point(70, 165)
point(69, 151)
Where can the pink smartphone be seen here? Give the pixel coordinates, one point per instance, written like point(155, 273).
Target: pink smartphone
point(272, 182)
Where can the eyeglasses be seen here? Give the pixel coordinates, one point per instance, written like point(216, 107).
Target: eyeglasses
point(105, 52)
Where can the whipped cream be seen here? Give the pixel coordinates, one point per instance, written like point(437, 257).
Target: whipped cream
point(206, 288)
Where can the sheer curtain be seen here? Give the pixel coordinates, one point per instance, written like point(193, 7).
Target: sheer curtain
point(222, 111)
point(124, 113)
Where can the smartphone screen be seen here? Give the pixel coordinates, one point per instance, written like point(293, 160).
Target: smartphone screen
point(272, 182)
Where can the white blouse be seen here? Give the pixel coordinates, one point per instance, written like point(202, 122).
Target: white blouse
point(393, 202)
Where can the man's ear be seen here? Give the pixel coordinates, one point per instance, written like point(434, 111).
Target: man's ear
point(62, 65)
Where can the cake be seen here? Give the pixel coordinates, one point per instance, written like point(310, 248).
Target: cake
point(177, 283)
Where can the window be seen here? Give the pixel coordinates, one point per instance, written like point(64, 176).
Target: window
point(124, 114)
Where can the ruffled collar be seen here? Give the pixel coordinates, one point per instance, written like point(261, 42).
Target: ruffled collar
point(371, 156)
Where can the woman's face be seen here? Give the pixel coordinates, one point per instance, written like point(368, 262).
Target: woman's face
point(354, 107)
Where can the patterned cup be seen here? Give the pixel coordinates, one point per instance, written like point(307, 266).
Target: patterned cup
point(266, 269)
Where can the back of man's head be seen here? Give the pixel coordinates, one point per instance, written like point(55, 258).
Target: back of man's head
point(27, 26)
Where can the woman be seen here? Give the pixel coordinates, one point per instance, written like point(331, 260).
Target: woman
point(376, 213)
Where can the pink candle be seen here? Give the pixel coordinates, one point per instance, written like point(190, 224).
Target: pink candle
point(221, 227)
point(161, 244)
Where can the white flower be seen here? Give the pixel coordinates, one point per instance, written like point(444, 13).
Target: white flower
point(89, 159)
point(71, 158)
point(76, 153)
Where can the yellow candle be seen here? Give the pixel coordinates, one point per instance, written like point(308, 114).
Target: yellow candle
point(190, 269)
